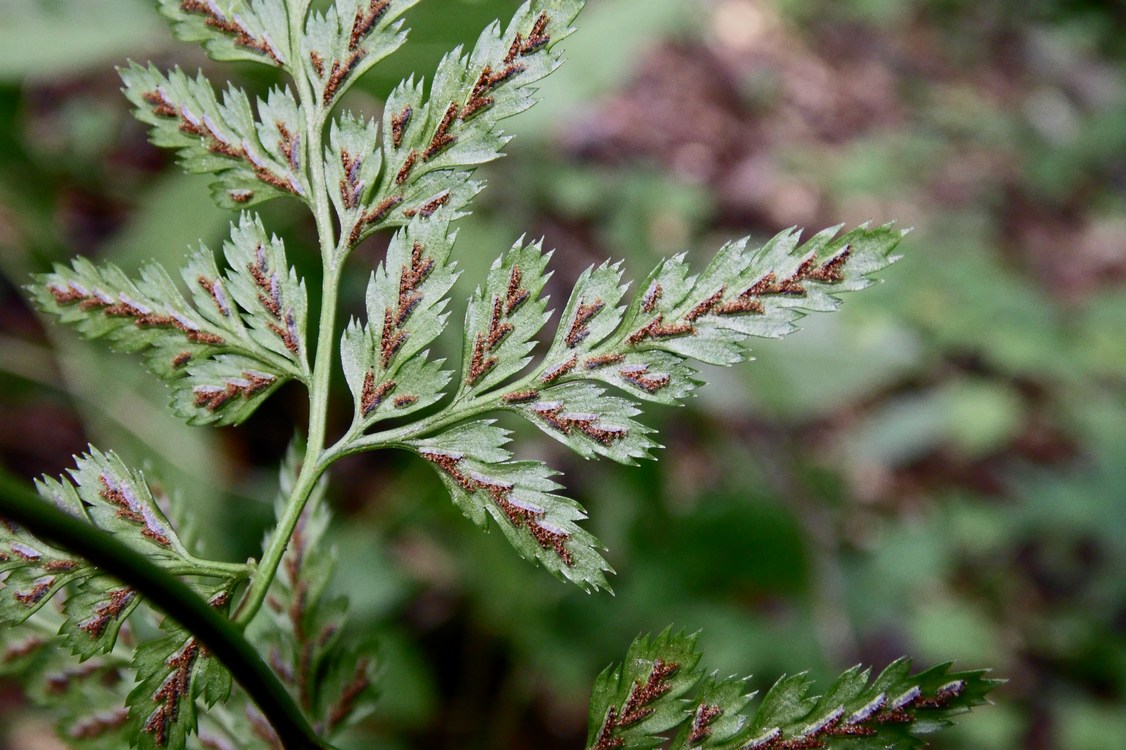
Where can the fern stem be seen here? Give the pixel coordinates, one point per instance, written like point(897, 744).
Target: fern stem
point(332, 257)
point(165, 591)
point(271, 558)
point(355, 442)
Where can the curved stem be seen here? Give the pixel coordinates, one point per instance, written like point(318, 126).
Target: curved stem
point(19, 504)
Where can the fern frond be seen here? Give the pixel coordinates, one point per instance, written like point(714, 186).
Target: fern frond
point(431, 144)
point(255, 157)
point(635, 703)
point(253, 30)
point(519, 497)
point(223, 355)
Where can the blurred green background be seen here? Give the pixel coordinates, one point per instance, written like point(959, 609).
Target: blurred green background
point(939, 470)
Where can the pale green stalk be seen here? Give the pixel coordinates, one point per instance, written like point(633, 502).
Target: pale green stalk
point(332, 260)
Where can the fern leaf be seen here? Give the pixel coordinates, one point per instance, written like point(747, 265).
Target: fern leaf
point(269, 292)
point(503, 319)
point(95, 606)
point(96, 612)
point(36, 572)
point(587, 420)
point(255, 161)
point(352, 168)
point(634, 703)
point(888, 713)
point(430, 143)
point(342, 43)
point(743, 292)
point(172, 674)
point(254, 30)
point(746, 293)
point(385, 360)
point(592, 314)
point(103, 491)
point(519, 497)
point(243, 337)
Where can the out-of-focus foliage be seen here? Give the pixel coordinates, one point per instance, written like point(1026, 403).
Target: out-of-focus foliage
point(938, 470)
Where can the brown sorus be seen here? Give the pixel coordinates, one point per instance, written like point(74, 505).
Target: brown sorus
point(516, 295)
point(479, 363)
point(739, 305)
point(216, 293)
point(537, 39)
point(405, 170)
point(391, 340)
point(371, 395)
point(519, 397)
point(161, 107)
point(649, 382)
point(268, 297)
point(426, 210)
point(336, 75)
point(442, 138)
point(550, 376)
point(288, 144)
point(374, 216)
point(602, 360)
point(318, 63)
point(579, 329)
point(701, 721)
point(449, 464)
point(365, 20)
point(399, 124)
point(656, 328)
point(498, 329)
point(705, 306)
point(488, 80)
point(832, 270)
point(66, 296)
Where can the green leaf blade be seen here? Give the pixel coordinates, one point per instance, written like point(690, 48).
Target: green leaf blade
point(519, 497)
point(633, 704)
point(592, 314)
point(273, 299)
point(223, 355)
point(503, 318)
point(585, 419)
point(96, 612)
point(342, 43)
point(855, 713)
point(172, 673)
point(386, 361)
point(430, 144)
point(250, 30)
point(221, 137)
point(300, 632)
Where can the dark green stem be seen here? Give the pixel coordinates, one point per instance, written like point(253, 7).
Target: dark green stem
point(19, 504)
